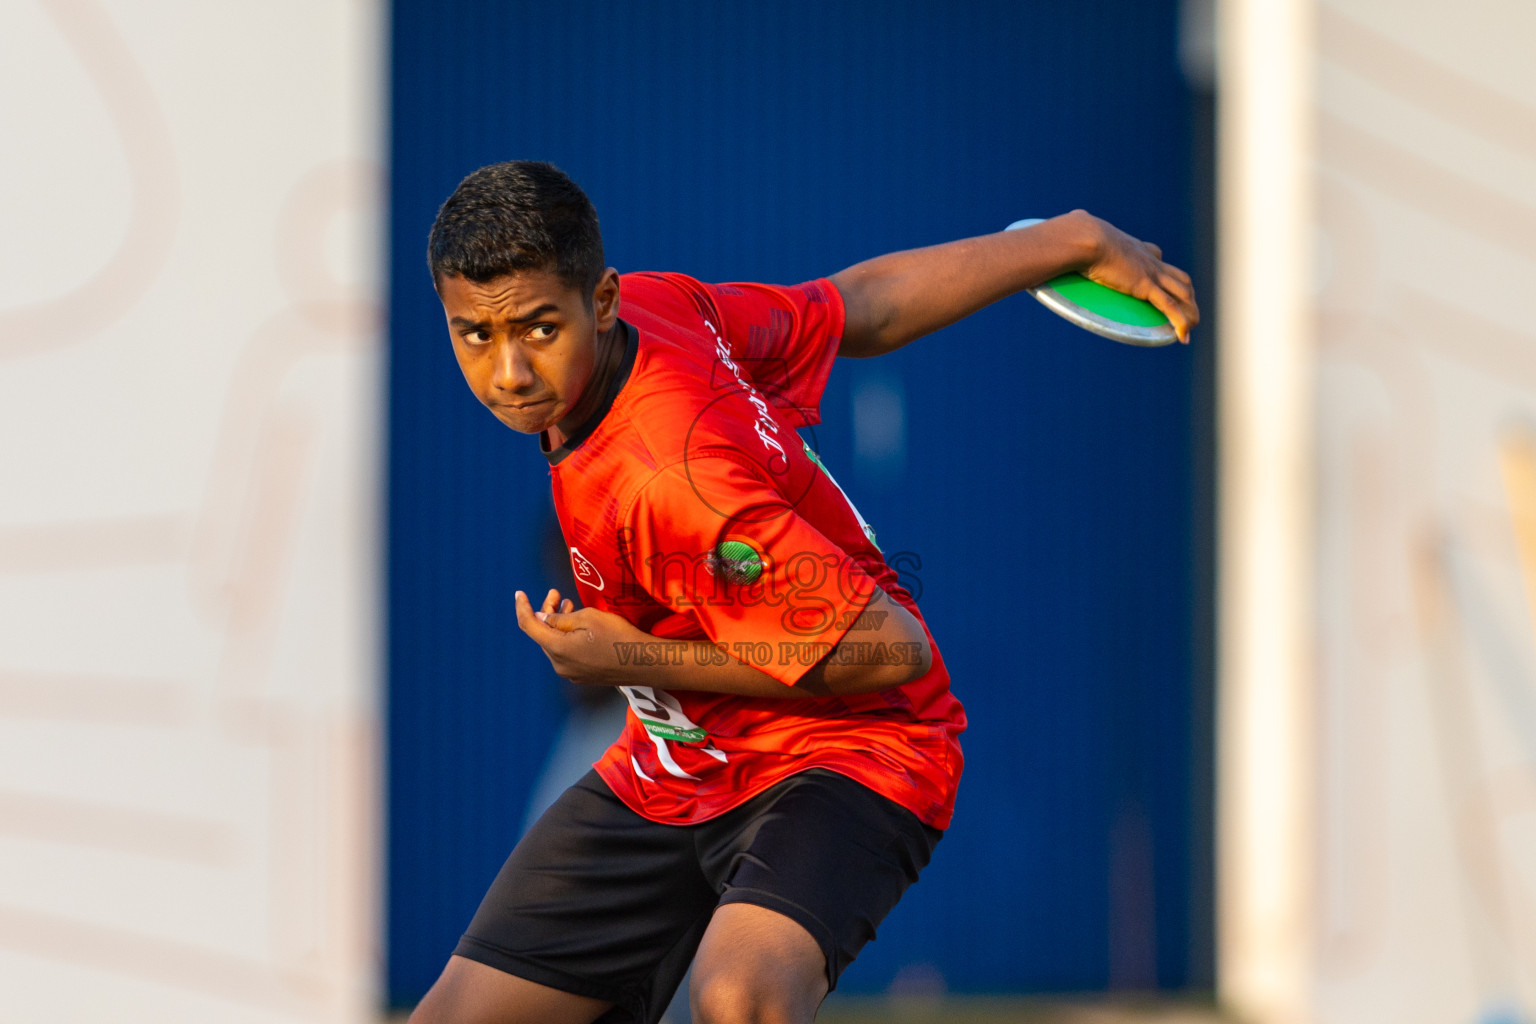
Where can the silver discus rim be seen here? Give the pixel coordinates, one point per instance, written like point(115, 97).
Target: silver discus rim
point(1128, 334)
point(1088, 320)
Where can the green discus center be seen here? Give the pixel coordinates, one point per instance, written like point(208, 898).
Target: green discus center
point(1106, 302)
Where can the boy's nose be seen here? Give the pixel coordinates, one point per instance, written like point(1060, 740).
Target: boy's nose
point(512, 372)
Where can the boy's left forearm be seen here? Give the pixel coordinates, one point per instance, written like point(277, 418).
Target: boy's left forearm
point(591, 647)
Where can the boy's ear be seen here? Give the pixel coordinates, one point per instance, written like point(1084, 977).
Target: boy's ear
point(605, 299)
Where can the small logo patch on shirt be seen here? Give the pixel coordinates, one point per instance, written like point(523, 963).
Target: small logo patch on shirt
point(585, 571)
point(736, 562)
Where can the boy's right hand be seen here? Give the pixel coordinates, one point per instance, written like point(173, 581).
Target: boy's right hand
point(1136, 268)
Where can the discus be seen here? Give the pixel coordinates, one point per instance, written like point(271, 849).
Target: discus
point(1102, 310)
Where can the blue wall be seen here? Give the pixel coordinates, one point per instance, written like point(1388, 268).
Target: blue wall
point(1047, 482)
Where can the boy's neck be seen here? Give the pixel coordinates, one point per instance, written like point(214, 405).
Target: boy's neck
point(610, 356)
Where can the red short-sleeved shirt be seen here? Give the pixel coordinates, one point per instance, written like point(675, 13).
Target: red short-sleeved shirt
point(692, 508)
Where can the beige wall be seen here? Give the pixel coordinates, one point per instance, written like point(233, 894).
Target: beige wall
point(189, 424)
point(1409, 762)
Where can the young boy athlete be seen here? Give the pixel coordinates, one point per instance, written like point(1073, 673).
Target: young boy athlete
point(791, 753)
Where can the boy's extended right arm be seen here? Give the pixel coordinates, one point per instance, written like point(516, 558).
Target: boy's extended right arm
point(897, 298)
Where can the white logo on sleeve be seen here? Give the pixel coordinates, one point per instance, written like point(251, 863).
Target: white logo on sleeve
point(585, 571)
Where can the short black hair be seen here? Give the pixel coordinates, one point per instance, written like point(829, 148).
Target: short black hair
point(516, 216)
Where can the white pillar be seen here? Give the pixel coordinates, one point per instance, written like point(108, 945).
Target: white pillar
point(1265, 690)
point(189, 424)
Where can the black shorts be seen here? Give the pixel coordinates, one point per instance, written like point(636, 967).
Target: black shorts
point(598, 901)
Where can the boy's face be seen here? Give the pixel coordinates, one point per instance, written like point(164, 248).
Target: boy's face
point(527, 342)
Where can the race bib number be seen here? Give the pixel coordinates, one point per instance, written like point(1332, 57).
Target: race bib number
point(665, 722)
point(662, 715)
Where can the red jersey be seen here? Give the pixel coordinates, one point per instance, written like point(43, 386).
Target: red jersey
point(693, 509)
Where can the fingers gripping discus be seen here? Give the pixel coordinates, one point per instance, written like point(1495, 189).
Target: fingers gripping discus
point(1104, 311)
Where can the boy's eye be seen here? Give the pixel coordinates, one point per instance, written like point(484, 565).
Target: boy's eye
point(476, 337)
point(543, 332)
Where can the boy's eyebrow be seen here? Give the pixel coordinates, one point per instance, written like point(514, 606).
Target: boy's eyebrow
point(537, 311)
point(483, 325)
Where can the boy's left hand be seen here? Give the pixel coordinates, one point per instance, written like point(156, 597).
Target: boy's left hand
point(581, 644)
